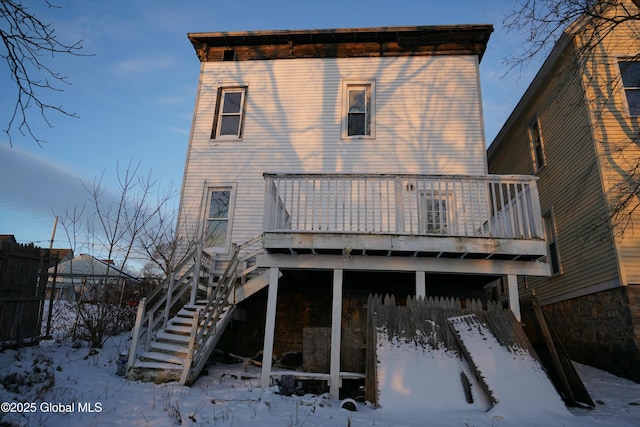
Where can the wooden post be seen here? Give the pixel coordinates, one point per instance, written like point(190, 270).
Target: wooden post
point(399, 205)
point(336, 327)
point(169, 300)
point(514, 297)
point(191, 349)
point(135, 334)
point(51, 296)
point(270, 326)
point(421, 284)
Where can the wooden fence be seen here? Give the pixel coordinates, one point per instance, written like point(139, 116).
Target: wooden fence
point(23, 281)
point(425, 321)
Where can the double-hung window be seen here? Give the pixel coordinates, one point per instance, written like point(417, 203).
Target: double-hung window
point(218, 212)
point(535, 141)
point(358, 110)
point(630, 71)
point(229, 112)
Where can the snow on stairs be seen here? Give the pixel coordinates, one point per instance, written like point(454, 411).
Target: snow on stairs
point(165, 358)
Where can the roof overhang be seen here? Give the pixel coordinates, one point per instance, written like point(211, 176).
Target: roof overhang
point(342, 42)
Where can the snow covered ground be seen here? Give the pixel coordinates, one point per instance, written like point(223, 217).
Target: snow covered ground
point(56, 384)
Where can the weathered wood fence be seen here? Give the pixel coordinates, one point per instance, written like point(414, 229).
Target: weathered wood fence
point(23, 281)
point(425, 322)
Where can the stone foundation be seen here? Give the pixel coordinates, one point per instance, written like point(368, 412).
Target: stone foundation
point(601, 330)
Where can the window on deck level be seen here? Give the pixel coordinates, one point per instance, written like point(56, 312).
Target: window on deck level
point(630, 71)
point(229, 112)
point(433, 211)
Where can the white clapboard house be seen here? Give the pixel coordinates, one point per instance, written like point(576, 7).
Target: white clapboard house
point(323, 166)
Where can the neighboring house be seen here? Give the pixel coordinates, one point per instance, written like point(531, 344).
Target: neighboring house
point(576, 128)
point(61, 254)
point(353, 162)
point(83, 277)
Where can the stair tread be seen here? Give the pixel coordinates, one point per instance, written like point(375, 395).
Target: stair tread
point(167, 347)
point(185, 311)
point(154, 356)
point(188, 319)
point(157, 365)
point(166, 336)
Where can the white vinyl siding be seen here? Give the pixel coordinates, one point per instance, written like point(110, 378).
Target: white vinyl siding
point(427, 121)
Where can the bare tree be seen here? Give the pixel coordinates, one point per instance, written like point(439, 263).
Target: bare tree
point(588, 23)
point(111, 225)
point(26, 42)
point(164, 245)
point(544, 21)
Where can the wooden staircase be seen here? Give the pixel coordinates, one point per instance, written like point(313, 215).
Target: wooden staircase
point(172, 340)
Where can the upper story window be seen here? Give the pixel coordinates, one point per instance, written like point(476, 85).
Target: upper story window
point(358, 110)
point(630, 71)
point(229, 112)
point(535, 141)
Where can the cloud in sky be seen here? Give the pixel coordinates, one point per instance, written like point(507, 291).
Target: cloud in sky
point(143, 65)
point(33, 183)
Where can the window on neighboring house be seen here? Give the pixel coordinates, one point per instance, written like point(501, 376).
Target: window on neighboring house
point(229, 112)
point(630, 71)
point(217, 218)
point(535, 141)
point(552, 242)
point(358, 120)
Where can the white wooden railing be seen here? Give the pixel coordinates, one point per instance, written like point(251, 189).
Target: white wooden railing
point(498, 206)
point(154, 311)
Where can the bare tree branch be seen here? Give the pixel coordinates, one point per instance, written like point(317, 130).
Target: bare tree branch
point(588, 23)
point(26, 42)
point(544, 21)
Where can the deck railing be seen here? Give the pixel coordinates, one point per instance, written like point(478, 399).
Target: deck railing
point(498, 206)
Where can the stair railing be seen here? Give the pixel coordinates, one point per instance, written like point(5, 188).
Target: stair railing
point(217, 301)
point(154, 310)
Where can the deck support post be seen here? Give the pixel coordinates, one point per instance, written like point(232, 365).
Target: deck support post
point(270, 326)
point(514, 297)
point(336, 326)
point(421, 284)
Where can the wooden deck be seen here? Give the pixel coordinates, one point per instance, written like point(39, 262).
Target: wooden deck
point(461, 224)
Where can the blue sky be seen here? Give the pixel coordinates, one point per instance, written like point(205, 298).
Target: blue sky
point(135, 95)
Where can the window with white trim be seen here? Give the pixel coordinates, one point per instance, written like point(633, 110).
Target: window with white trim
point(217, 223)
point(552, 242)
point(434, 212)
point(229, 112)
point(630, 71)
point(536, 145)
point(358, 110)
